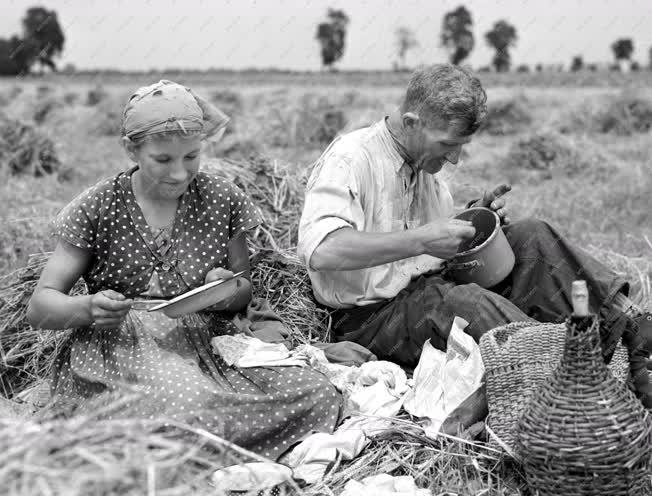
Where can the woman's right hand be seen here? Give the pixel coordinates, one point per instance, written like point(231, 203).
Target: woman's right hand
point(108, 309)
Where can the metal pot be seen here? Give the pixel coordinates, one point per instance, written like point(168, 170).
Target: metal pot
point(486, 259)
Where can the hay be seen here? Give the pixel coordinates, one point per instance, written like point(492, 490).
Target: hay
point(24, 150)
point(547, 154)
point(229, 102)
point(95, 96)
point(70, 98)
point(276, 188)
point(506, 117)
point(43, 108)
point(82, 456)
point(623, 115)
point(313, 121)
point(445, 465)
point(626, 115)
point(26, 354)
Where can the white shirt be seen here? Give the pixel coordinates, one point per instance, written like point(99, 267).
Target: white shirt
point(362, 182)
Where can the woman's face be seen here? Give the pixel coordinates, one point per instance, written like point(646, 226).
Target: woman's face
point(168, 164)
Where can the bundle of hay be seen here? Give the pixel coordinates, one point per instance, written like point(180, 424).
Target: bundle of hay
point(70, 98)
point(626, 115)
point(623, 115)
point(314, 121)
point(82, 456)
point(275, 187)
point(507, 117)
point(229, 102)
point(24, 150)
point(95, 96)
point(44, 107)
point(26, 354)
point(546, 154)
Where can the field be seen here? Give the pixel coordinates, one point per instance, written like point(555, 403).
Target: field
point(576, 149)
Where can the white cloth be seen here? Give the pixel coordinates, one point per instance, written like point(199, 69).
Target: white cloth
point(362, 182)
point(442, 381)
point(244, 351)
point(384, 485)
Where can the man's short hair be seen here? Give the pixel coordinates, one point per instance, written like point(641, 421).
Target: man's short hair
point(444, 95)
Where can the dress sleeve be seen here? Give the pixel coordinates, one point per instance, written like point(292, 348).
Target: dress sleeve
point(244, 215)
point(77, 222)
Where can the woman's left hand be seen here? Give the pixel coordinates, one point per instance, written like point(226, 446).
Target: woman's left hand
point(217, 274)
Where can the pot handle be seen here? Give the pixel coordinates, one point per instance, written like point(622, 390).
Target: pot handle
point(449, 265)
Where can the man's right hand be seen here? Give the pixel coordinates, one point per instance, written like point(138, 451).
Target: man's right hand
point(442, 238)
point(108, 309)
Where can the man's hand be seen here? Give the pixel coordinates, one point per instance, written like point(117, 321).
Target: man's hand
point(442, 238)
point(493, 200)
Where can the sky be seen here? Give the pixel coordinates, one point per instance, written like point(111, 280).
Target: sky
point(237, 34)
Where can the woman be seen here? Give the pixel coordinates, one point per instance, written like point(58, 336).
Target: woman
point(156, 231)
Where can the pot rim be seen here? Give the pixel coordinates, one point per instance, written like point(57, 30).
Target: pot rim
point(494, 233)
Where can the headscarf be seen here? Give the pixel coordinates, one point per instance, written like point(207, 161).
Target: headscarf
point(168, 106)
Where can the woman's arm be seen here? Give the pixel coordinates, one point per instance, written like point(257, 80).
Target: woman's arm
point(238, 256)
point(50, 306)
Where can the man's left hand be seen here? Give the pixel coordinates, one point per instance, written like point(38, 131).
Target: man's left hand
point(494, 201)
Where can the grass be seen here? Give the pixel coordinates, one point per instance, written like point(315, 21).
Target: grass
point(603, 206)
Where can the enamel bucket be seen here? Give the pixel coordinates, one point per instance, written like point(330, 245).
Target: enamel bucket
point(486, 259)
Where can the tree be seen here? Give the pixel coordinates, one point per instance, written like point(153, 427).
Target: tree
point(16, 56)
point(43, 34)
point(577, 64)
point(622, 49)
point(501, 37)
point(457, 34)
point(331, 35)
point(405, 41)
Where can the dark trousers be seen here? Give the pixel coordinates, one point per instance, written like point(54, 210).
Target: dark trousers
point(537, 289)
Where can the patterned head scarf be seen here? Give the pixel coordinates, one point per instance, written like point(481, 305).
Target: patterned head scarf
point(168, 106)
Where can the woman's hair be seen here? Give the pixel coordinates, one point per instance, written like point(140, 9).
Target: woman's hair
point(446, 95)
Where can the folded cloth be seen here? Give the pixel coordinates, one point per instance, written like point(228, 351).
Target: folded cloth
point(262, 322)
point(246, 351)
point(384, 485)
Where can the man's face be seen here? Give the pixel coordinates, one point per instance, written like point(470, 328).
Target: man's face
point(431, 148)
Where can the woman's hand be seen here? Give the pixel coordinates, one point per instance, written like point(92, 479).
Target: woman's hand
point(492, 200)
point(217, 274)
point(108, 309)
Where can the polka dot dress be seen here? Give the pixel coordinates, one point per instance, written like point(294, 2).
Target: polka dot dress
point(165, 368)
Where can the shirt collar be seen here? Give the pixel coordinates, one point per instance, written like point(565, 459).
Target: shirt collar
point(397, 147)
point(391, 146)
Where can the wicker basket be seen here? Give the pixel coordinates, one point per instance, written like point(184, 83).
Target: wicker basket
point(584, 433)
point(518, 357)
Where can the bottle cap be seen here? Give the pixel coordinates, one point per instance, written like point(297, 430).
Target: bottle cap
point(580, 298)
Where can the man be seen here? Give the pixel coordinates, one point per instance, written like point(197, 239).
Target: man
point(376, 227)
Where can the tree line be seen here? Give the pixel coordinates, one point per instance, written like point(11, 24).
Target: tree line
point(42, 40)
point(458, 40)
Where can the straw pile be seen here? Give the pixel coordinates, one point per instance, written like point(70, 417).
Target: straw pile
point(84, 456)
point(24, 150)
point(548, 153)
point(508, 116)
point(275, 187)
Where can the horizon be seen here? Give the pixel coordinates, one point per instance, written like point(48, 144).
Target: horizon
point(149, 36)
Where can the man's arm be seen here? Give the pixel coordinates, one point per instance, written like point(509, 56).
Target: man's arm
point(349, 249)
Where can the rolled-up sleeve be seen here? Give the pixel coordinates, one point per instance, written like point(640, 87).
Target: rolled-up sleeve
point(332, 201)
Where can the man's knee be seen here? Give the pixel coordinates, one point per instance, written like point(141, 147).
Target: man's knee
point(526, 235)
